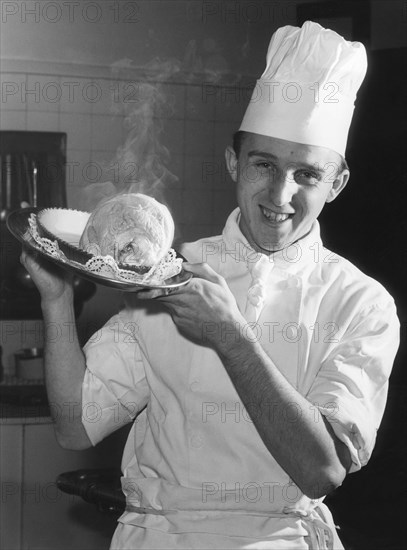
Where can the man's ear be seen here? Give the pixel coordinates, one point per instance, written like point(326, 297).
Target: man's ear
point(231, 162)
point(338, 185)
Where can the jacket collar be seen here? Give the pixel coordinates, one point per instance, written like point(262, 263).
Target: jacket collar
point(238, 253)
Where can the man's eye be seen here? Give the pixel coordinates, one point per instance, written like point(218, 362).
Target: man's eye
point(310, 177)
point(264, 168)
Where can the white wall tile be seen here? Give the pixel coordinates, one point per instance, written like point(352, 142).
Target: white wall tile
point(78, 167)
point(13, 86)
point(173, 199)
point(42, 121)
point(105, 166)
point(231, 104)
point(223, 179)
point(78, 130)
point(194, 231)
point(44, 93)
point(172, 136)
point(197, 206)
point(206, 172)
point(199, 138)
point(106, 102)
point(13, 120)
point(106, 159)
point(200, 103)
point(223, 135)
point(174, 100)
point(74, 197)
point(223, 204)
point(78, 94)
point(176, 167)
point(107, 132)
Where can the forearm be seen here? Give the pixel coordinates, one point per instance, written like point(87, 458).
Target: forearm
point(64, 371)
point(293, 430)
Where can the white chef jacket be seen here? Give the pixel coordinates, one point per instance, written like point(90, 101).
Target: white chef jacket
point(196, 473)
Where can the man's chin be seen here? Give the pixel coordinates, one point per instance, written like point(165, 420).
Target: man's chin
point(267, 247)
point(271, 248)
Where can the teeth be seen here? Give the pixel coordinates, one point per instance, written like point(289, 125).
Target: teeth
point(270, 215)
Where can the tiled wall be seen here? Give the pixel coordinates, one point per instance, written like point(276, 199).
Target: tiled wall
point(196, 133)
point(200, 126)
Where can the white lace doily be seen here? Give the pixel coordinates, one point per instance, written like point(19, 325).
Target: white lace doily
point(48, 246)
point(106, 266)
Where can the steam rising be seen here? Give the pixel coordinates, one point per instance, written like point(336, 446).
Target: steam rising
point(141, 163)
point(142, 160)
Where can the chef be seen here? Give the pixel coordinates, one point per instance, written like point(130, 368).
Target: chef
point(256, 388)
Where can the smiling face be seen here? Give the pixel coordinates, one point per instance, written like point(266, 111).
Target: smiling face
point(282, 187)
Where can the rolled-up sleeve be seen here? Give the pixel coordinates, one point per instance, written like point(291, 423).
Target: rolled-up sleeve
point(351, 387)
point(114, 388)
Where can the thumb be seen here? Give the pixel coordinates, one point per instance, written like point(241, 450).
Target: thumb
point(203, 271)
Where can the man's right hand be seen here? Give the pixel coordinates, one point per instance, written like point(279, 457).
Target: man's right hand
point(52, 281)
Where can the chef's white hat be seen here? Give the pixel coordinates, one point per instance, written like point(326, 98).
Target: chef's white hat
point(307, 92)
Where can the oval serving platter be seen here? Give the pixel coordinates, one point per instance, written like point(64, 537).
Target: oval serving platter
point(18, 224)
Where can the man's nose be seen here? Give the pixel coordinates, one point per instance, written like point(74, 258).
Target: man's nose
point(282, 189)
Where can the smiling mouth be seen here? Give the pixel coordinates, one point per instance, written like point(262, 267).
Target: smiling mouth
point(272, 216)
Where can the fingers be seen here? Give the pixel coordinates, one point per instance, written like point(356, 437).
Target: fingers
point(151, 294)
point(146, 294)
point(28, 253)
point(204, 271)
point(31, 260)
point(38, 266)
point(24, 255)
point(28, 259)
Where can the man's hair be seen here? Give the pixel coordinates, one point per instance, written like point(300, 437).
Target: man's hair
point(239, 137)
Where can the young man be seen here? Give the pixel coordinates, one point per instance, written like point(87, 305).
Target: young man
point(259, 385)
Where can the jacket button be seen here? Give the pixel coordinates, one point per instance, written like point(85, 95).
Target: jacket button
point(195, 385)
point(196, 441)
point(293, 282)
point(291, 334)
